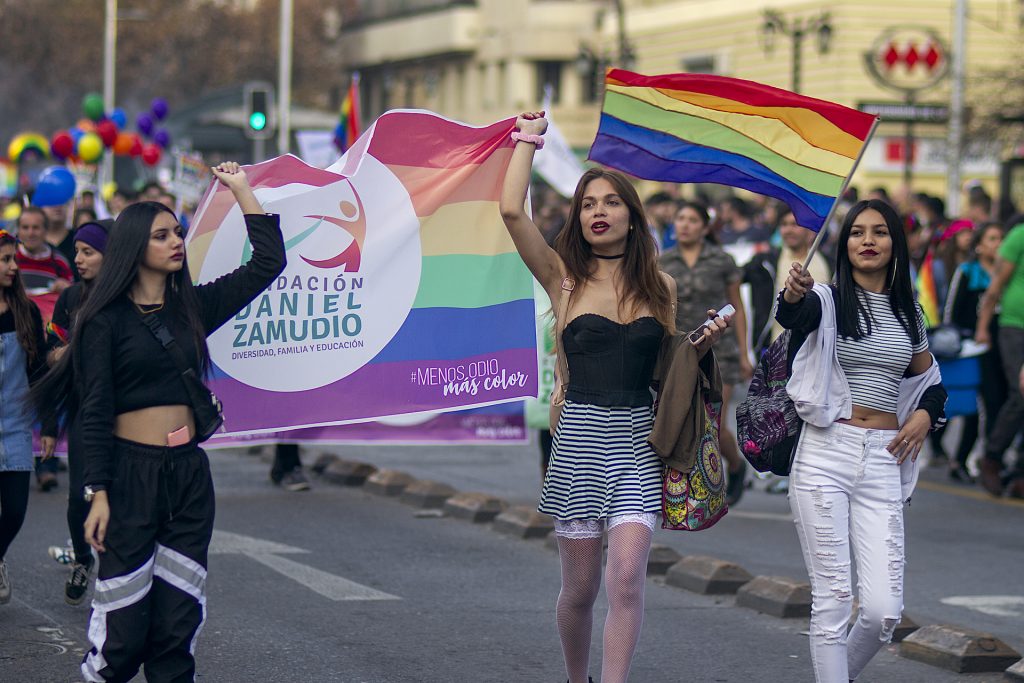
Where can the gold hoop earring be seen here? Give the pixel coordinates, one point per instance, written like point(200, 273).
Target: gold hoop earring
point(892, 280)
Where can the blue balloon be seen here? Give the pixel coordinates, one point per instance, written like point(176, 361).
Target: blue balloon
point(55, 186)
point(76, 134)
point(119, 118)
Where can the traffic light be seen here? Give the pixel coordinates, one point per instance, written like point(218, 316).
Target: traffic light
point(258, 110)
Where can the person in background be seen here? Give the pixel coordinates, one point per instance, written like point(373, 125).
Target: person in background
point(22, 360)
point(970, 281)
point(881, 194)
point(120, 198)
point(660, 208)
point(90, 243)
point(286, 471)
point(58, 233)
point(45, 273)
point(766, 273)
point(707, 278)
point(929, 224)
point(83, 216)
point(1007, 291)
point(979, 206)
point(738, 226)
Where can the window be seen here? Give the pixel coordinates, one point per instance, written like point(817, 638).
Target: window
point(549, 74)
point(700, 64)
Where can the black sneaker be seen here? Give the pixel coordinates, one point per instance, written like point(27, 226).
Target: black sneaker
point(78, 584)
point(736, 484)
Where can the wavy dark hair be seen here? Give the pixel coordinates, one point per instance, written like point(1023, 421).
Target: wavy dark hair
point(641, 279)
point(21, 308)
point(853, 317)
point(125, 252)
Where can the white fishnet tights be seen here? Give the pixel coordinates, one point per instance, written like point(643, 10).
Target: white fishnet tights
point(629, 545)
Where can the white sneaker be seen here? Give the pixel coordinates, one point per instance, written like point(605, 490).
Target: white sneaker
point(5, 585)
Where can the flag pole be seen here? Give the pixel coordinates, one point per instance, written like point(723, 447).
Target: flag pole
point(842, 191)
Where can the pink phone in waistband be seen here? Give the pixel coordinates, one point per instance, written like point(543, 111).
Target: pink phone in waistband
point(179, 437)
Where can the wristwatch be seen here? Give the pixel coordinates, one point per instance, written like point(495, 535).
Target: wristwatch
point(92, 490)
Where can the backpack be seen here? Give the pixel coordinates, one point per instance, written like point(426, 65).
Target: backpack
point(767, 426)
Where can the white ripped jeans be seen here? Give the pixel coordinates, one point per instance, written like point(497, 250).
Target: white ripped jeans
point(845, 491)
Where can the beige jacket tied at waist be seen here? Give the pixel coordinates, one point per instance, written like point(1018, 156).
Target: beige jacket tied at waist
point(679, 376)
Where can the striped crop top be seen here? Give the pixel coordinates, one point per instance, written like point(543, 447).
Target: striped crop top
point(875, 364)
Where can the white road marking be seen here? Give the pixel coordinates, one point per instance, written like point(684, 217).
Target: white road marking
point(268, 553)
point(996, 605)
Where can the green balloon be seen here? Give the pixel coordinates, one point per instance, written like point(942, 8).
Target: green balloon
point(92, 106)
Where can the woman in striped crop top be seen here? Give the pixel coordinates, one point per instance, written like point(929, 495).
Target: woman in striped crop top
point(846, 488)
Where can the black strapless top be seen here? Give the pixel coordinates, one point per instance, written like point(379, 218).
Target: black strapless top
point(611, 363)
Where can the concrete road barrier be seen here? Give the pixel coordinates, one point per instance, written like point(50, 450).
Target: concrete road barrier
point(707, 575)
point(958, 649)
point(778, 596)
point(478, 508)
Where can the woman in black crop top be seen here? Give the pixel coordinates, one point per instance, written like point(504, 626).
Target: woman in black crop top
point(602, 471)
point(152, 511)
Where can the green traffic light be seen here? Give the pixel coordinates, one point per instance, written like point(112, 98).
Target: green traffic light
point(257, 120)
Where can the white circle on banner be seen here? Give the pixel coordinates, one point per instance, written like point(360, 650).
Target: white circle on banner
point(354, 260)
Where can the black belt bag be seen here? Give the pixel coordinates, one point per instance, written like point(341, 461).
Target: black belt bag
point(207, 408)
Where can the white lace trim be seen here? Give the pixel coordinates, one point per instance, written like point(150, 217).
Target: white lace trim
point(579, 528)
point(594, 528)
point(648, 519)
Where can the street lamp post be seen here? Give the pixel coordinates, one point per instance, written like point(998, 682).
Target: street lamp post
point(109, 60)
point(796, 29)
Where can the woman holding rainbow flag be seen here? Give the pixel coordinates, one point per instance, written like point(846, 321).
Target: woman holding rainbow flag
point(602, 470)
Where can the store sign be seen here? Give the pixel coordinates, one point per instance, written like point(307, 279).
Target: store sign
point(901, 112)
point(928, 156)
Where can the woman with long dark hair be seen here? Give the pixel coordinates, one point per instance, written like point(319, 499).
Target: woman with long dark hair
point(22, 360)
point(90, 243)
point(147, 479)
point(868, 392)
point(602, 470)
point(707, 277)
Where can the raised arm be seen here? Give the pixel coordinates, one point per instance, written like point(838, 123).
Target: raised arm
point(987, 309)
point(541, 259)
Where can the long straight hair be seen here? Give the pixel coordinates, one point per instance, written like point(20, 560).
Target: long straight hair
point(125, 252)
point(21, 308)
point(853, 317)
point(642, 283)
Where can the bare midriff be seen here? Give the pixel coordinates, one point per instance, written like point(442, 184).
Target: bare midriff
point(152, 425)
point(869, 418)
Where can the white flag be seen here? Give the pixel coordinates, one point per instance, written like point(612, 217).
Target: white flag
point(556, 163)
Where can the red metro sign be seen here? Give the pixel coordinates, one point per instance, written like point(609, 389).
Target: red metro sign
point(908, 59)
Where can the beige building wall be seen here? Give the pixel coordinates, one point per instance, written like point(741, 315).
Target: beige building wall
point(669, 34)
point(477, 62)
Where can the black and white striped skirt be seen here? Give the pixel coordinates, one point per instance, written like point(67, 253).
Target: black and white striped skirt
point(601, 464)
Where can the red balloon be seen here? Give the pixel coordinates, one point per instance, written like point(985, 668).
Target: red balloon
point(151, 154)
point(107, 132)
point(62, 144)
point(136, 149)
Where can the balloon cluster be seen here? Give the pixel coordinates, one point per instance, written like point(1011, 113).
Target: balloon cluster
point(99, 131)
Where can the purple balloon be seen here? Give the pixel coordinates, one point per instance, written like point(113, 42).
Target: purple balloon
point(160, 108)
point(162, 138)
point(144, 122)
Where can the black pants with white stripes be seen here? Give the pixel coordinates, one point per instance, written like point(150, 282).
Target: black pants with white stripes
point(150, 599)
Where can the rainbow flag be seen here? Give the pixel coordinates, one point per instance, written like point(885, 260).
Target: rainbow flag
point(403, 292)
point(928, 293)
point(691, 128)
point(347, 130)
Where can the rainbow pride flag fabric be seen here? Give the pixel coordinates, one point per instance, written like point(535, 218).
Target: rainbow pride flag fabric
point(403, 292)
point(697, 128)
point(927, 292)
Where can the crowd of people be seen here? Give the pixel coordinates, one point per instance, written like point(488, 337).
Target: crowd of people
point(87, 303)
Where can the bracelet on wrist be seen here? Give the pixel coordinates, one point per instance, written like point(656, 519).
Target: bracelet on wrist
point(528, 137)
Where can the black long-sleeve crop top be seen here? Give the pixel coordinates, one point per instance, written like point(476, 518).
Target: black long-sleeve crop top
point(121, 366)
point(611, 363)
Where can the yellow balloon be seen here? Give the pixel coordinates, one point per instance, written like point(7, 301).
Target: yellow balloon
point(12, 211)
point(108, 190)
point(90, 148)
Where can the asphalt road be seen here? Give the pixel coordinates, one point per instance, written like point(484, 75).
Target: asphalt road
point(340, 585)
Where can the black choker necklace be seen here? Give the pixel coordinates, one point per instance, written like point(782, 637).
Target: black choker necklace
point(610, 258)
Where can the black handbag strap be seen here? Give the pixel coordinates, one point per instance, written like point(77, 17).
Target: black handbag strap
point(188, 374)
